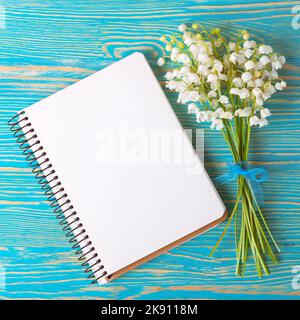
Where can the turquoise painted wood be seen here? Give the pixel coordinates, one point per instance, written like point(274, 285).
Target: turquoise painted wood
point(48, 45)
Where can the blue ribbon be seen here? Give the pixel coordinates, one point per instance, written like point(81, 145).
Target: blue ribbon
point(254, 177)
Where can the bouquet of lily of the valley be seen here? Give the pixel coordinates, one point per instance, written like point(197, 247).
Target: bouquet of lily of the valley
point(227, 83)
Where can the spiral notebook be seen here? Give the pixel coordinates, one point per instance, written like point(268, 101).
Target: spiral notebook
point(118, 169)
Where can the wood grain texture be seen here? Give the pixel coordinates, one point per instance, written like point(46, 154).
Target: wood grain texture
point(48, 45)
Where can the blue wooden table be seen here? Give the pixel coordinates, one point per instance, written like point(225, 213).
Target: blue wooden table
point(47, 45)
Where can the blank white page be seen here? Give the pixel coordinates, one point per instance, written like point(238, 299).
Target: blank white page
point(132, 200)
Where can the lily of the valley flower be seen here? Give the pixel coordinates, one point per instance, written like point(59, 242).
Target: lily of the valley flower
point(161, 62)
point(233, 79)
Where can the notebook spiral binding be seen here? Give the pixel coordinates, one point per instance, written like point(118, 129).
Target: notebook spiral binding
point(31, 147)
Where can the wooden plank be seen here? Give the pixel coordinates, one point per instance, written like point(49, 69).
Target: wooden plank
point(48, 45)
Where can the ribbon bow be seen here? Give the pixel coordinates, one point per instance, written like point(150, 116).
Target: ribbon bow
point(254, 177)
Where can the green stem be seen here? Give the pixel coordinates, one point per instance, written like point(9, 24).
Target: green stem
point(249, 233)
point(227, 225)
